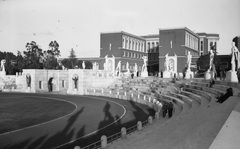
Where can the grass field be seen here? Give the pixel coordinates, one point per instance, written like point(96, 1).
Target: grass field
point(22, 111)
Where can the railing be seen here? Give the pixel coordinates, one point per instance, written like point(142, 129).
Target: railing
point(94, 145)
point(114, 137)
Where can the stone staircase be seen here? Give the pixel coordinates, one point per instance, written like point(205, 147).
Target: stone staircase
point(197, 123)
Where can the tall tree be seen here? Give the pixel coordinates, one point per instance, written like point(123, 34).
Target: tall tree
point(51, 56)
point(33, 56)
point(67, 63)
point(73, 58)
point(19, 62)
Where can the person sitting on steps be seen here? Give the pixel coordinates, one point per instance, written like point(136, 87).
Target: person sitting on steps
point(225, 96)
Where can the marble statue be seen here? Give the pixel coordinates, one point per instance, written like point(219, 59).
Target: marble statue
point(28, 79)
point(83, 65)
point(211, 60)
point(189, 61)
point(75, 79)
point(145, 59)
point(135, 67)
point(127, 67)
point(166, 62)
point(118, 68)
point(2, 68)
point(235, 60)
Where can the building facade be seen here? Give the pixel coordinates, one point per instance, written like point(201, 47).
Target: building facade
point(208, 41)
point(128, 49)
point(125, 47)
point(152, 45)
point(176, 43)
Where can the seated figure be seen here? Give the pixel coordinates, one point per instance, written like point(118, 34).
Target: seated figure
point(225, 96)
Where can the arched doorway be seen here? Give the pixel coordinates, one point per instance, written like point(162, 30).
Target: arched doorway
point(50, 84)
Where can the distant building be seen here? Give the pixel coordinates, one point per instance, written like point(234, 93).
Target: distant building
point(125, 47)
point(177, 42)
point(152, 45)
point(208, 41)
point(174, 42)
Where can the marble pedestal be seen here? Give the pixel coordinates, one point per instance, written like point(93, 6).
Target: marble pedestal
point(2, 74)
point(231, 76)
point(166, 74)
point(144, 74)
point(209, 75)
point(189, 75)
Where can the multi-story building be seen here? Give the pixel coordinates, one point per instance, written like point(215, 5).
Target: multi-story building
point(207, 41)
point(125, 47)
point(176, 43)
point(152, 45)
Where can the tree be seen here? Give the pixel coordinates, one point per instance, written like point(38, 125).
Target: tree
point(19, 62)
point(88, 64)
point(51, 56)
point(67, 63)
point(73, 58)
point(79, 64)
point(33, 57)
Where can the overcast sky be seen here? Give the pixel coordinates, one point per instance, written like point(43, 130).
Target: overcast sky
point(77, 24)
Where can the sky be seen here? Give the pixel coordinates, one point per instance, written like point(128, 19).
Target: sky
point(77, 24)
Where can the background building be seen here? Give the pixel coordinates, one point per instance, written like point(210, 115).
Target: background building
point(152, 45)
point(177, 42)
point(125, 47)
point(207, 41)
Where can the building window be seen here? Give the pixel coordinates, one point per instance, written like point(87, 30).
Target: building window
point(123, 43)
point(62, 83)
point(149, 46)
point(139, 46)
point(134, 55)
point(130, 44)
point(136, 47)
point(153, 44)
point(124, 54)
point(133, 45)
point(131, 54)
point(40, 84)
point(128, 54)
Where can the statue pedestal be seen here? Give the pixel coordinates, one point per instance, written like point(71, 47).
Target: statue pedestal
point(189, 75)
point(166, 74)
point(74, 91)
point(127, 74)
point(28, 90)
point(231, 76)
point(144, 74)
point(2, 73)
point(209, 75)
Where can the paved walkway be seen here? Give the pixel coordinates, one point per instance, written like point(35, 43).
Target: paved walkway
point(229, 135)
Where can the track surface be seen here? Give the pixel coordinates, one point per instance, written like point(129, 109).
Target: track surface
point(91, 116)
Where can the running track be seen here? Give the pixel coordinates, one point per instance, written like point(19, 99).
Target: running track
point(88, 118)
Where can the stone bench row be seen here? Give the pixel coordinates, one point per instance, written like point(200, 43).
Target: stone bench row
point(182, 97)
point(207, 89)
point(143, 99)
point(198, 92)
point(220, 85)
